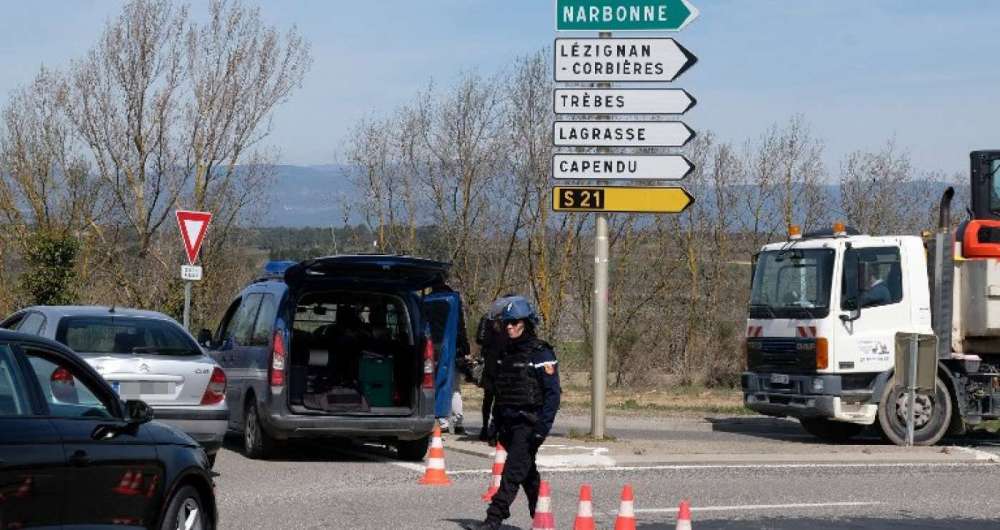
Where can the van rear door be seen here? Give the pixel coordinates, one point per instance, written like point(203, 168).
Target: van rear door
point(441, 313)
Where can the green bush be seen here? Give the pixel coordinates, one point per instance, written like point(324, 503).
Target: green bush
point(50, 275)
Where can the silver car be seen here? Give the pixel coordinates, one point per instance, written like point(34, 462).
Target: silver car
point(143, 355)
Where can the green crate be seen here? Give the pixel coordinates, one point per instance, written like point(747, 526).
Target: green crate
point(375, 374)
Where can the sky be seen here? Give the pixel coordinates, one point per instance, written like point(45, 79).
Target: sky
point(861, 72)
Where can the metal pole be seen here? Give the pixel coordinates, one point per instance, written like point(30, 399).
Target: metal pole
point(187, 305)
point(599, 374)
point(911, 386)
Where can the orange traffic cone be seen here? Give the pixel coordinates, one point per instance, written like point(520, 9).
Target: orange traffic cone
point(434, 474)
point(498, 462)
point(585, 511)
point(626, 510)
point(684, 516)
point(544, 520)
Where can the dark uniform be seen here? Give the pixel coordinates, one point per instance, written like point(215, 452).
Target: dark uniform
point(491, 342)
point(528, 392)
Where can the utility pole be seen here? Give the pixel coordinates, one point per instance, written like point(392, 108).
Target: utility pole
point(599, 373)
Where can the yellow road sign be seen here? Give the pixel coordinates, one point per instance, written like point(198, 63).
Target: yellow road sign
point(625, 199)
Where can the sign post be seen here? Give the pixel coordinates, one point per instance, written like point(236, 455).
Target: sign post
point(602, 61)
point(193, 226)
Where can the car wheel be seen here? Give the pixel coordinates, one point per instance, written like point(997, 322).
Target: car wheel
point(186, 511)
point(413, 450)
point(829, 430)
point(256, 442)
point(932, 414)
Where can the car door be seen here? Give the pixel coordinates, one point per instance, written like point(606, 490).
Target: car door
point(113, 475)
point(441, 312)
point(235, 350)
point(32, 464)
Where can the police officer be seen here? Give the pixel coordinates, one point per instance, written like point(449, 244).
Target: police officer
point(527, 388)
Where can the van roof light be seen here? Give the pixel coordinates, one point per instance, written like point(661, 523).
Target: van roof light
point(794, 232)
point(839, 229)
point(277, 268)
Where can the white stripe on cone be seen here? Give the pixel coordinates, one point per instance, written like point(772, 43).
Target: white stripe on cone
point(586, 509)
point(627, 509)
point(435, 463)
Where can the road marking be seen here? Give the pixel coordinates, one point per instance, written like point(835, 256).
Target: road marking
point(690, 467)
point(379, 459)
point(762, 507)
point(979, 454)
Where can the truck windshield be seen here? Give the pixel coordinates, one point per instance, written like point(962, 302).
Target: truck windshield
point(792, 283)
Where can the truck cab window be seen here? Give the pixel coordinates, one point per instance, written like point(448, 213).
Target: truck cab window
point(883, 282)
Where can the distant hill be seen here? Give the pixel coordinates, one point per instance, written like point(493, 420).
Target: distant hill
point(309, 196)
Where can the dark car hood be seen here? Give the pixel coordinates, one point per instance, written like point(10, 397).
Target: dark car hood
point(395, 272)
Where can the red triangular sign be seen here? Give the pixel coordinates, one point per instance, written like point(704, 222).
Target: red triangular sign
point(193, 226)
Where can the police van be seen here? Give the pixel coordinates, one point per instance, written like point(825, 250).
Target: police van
point(338, 346)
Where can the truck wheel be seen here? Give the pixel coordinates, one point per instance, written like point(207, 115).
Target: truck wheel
point(829, 430)
point(931, 419)
point(413, 450)
point(257, 444)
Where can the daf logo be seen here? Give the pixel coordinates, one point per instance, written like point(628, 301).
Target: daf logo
point(144, 368)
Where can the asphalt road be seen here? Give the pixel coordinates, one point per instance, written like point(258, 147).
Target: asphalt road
point(328, 485)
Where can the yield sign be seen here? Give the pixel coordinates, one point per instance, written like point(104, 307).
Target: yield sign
point(193, 226)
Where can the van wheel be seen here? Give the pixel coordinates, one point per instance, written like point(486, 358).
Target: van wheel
point(931, 419)
point(257, 443)
point(413, 450)
point(829, 430)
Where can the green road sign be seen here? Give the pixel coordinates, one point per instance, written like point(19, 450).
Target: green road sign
point(623, 15)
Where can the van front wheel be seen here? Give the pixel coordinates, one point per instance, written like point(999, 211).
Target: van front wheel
point(932, 413)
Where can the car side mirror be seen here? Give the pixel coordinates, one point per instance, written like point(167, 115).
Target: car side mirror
point(205, 338)
point(138, 412)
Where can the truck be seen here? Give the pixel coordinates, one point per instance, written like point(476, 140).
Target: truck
point(828, 309)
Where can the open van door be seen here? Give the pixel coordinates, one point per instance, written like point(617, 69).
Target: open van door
point(441, 314)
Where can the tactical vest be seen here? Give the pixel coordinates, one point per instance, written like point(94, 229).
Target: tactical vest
point(516, 381)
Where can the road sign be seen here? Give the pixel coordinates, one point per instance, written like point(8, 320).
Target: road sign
point(621, 101)
point(191, 273)
point(620, 134)
point(624, 15)
point(193, 226)
point(612, 167)
point(594, 59)
point(625, 199)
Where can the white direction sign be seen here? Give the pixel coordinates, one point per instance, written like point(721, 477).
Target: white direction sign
point(622, 101)
point(191, 273)
point(620, 134)
point(614, 167)
point(597, 59)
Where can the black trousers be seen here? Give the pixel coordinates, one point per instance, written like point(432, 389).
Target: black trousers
point(518, 438)
point(489, 396)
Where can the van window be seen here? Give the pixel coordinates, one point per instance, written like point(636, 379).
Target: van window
point(241, 326)
point(66, 394)
point(265, 321)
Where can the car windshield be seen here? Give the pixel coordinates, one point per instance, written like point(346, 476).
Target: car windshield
point(792, 283)
point(111, 334)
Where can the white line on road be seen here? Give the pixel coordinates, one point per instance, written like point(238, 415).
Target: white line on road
point(761, 507)
point(690, 467)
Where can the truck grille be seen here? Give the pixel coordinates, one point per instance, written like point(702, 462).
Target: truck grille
point(787, 355)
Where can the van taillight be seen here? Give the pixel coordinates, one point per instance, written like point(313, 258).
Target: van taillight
point(277, 375)
point(428, 382)
point(215, 392)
